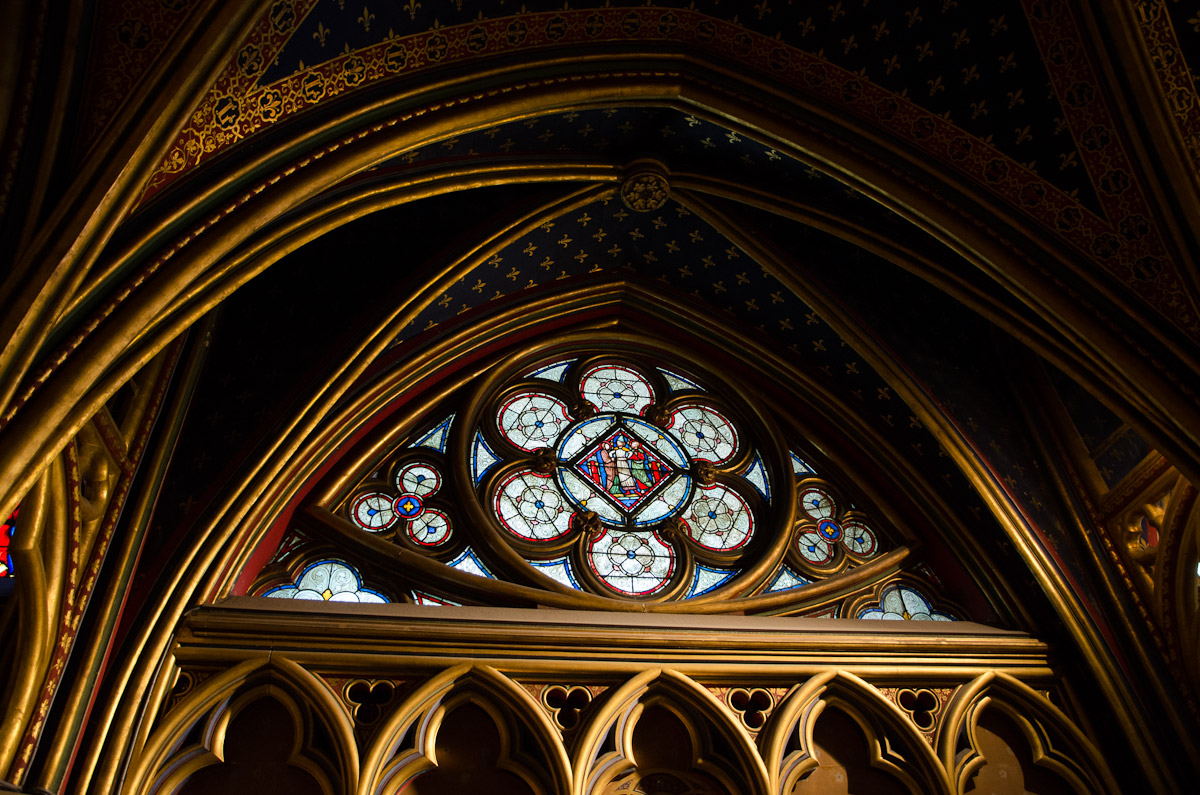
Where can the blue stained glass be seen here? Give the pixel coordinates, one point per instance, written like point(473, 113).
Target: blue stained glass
point(557, 569)
point(786, 580)
point(678, 383)
point(552, 372)
point(6, 564)
point(482, 458)
point(437, 438)
point(707, 578)
point(756, 473)
point(800, 467)
point(469, 562)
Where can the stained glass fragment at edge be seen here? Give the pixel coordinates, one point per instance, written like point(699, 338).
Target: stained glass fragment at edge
point(482, 458)
point(552, 372)
point(436, 438)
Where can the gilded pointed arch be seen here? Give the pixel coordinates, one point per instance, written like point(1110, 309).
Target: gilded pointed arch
point(191, 735)
point(717, 749)
point(406, 745)
point(1054, 742)
point(894, 746)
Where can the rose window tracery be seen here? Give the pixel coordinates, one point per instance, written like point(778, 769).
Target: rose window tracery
point(614, 477)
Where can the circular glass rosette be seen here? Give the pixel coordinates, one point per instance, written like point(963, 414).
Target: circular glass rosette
point(631, 563)
point(705, 433)
point(374, 511)
point(532, 420)
point(816, 503)
point(859, 539)
point(418, 479)
point(624, 470)
point(611, 387)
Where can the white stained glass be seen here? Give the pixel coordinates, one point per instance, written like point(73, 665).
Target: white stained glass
point(586, 498)
point(814, 548)
point(552, 372)
point(432, 527)
point(533, 420)
point(705, 433)
point(529, 506)
point(471, 564)
point(757, 475)
point(632, 563)
point(615, 388)
point(817, 503)
point(800, 467)
point(482, 458)
point(665, 503)
point(678, 383)
point(719, 518)
point(582, 435)
point(328, 581)
point(786, 580)
point(558, 569)
point(419, 479)
point(859, 539)
point(661, 442)
point(436, 439)
point(707, 578)
point(374, 512)
point(902, 603)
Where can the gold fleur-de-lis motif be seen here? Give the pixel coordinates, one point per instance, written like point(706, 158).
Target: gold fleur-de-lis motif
point(1023, 134)
point(924, 51)
point(1067, 160)
point(807, 27)
point(836, 11)
point(849, 44)
point(998, 25)
point(891, 64)
point(322, 33)
point(412, 6)
point(763, 8)
point(914, 16)
point(961, 38)
point(1015, 98)
point(978, 109)
point(935, 85)
point(881, 30)
point(1008, 62)
point(365, 18)
point(970, 73)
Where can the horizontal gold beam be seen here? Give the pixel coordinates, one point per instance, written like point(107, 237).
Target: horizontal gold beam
point(398, 638)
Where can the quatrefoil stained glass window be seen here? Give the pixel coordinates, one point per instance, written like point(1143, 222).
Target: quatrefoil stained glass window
point(617, 477)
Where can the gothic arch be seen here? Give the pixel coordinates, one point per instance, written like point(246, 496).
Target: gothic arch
point(1054, 741)
point(604, 749)
point(406, 745)
point(165, 763)
point(895, 746)
point(242, 230)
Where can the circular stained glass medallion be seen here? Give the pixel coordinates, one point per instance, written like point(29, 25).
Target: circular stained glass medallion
point(374, 512)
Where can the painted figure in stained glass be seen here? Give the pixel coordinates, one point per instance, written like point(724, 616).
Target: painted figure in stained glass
point(624, 468)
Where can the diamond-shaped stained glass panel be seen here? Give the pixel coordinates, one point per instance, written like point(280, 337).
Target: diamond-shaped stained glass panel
point(622, 467)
